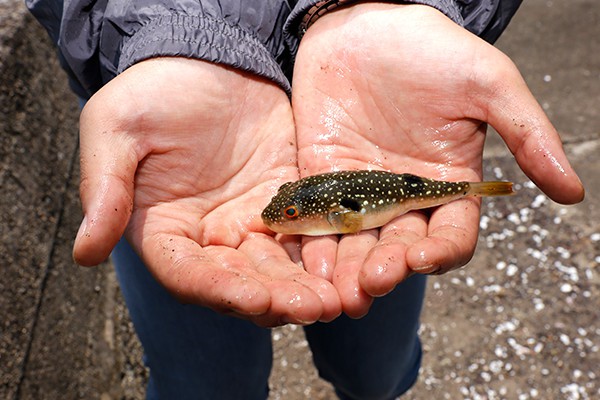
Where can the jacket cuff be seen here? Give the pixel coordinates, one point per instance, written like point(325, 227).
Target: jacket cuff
point(202, 37)
point(294, 26)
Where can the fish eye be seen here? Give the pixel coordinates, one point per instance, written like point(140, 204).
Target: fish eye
point(291, 212)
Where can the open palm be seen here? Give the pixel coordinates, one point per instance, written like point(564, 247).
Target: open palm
point(182, 156)
point(403, 88)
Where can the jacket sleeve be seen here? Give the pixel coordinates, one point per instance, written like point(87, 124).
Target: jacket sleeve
point(485, 18)
point(97, 39)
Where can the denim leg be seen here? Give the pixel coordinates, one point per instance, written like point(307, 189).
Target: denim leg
point(192, 352)
point(378, 356)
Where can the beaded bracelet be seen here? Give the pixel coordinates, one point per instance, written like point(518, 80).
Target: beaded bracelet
point(318, 10)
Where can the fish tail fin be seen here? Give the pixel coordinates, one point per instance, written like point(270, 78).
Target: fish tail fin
point(490, 188)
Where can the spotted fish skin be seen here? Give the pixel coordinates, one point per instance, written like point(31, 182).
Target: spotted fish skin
point(351, 201)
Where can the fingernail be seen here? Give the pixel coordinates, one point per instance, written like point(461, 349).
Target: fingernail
point(80, 234)
point(438, 271)
point(82, 228)
point(427, 269)
point(295, 321)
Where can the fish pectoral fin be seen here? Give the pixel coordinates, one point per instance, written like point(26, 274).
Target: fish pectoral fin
point(346, 221)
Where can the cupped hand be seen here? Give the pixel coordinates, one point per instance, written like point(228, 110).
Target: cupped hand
point(181, 156)
point(403, 88)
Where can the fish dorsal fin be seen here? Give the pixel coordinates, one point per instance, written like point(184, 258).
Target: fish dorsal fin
point(345, 220)
point(285, 185)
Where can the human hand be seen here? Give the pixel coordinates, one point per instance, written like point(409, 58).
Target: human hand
point(181, 156)
point(403, 88)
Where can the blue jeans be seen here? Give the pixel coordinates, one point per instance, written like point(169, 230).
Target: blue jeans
point(196, 353)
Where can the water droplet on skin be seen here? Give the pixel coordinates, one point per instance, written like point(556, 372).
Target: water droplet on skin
point(550, 157)
point(377, 162)
point(331, 119)
point(556, 163)
point(295, 299)
point(440, 144)
point(323, 269)
point(323, 152)
point(380, 270)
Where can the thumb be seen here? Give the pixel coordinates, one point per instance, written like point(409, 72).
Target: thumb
point(108, 164)
point(515, 113)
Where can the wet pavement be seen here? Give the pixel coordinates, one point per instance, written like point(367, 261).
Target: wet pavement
point(521, 321)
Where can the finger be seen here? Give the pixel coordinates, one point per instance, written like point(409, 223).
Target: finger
point(108, 164)
point(293, 246)
point(216, 277)
point(451, 238)
point(351, 254)
point(516, 115)
point(386, 265)
point(296, 296)
point(332, 306)
point(318, 255)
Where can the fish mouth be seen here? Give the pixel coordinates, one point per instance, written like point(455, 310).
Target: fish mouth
point(308, 227)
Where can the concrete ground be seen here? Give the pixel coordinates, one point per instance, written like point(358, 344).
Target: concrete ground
point(522, 321)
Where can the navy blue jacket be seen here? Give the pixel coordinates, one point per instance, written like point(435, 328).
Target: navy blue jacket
point(98, 39)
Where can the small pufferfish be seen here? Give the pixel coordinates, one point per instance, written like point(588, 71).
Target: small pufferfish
point(351, 201)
